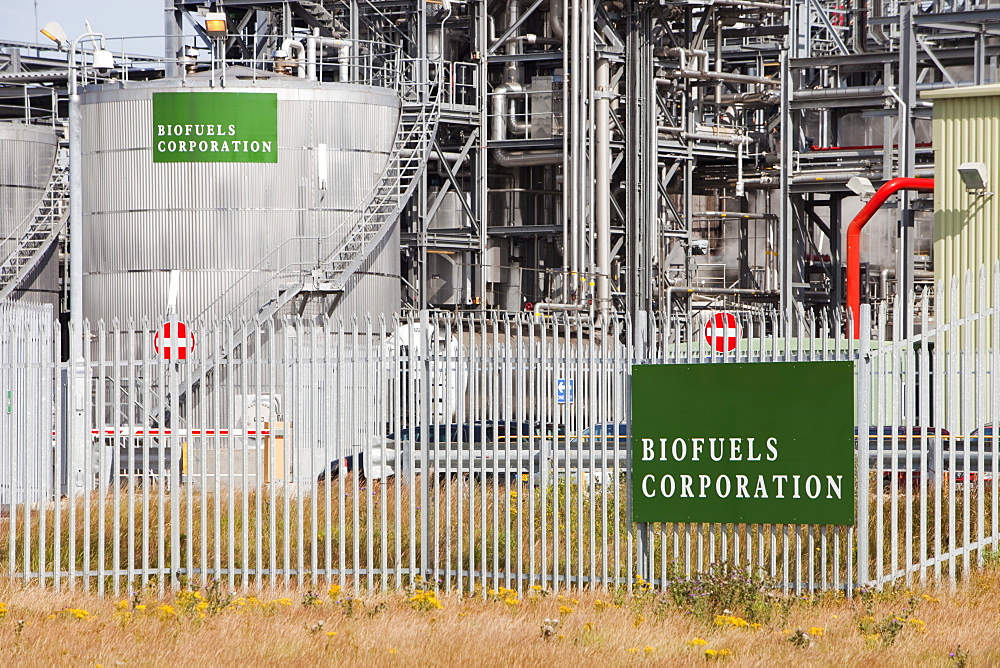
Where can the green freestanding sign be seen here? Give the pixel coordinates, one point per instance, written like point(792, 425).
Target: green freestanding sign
point(759, 443)
point(215, 127)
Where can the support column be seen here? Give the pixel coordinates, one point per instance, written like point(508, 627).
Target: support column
point(907, 165)
point(173, 28)
point(602, 183)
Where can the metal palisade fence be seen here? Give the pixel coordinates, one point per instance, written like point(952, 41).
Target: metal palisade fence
point(471, 450)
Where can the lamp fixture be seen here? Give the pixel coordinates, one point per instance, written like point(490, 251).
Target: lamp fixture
point(861, 186)
point(215, 24)
point(974, 175)
point(55, 32)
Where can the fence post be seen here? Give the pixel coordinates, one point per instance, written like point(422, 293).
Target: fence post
point(864, 367)
point(643, 566)
point(424, 460)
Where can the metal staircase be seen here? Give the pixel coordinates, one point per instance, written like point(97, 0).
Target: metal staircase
point(38, 231)
point(409, 156)
point(340, 255)
point(369, 224)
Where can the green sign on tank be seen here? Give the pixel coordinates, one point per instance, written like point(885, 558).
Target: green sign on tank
point(215, 127)
point(761, 443)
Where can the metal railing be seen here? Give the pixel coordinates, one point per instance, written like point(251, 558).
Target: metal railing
point(38, 231)
point(340, 251)
point(480, 450)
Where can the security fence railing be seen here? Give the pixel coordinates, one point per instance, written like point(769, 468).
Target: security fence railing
point(472, 450)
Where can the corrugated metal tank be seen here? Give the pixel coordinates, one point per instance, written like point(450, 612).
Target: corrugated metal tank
point(231, 229)
point(966, 237)
point(27, 157)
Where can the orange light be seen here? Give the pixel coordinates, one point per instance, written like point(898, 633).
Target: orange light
point(215, 24)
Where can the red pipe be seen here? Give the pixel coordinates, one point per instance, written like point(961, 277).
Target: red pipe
point(854, 238)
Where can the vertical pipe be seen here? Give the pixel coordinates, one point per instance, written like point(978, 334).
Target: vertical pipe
point(907, 161)
point(173, 46)
point(311, 55)
point(602, 185)
point(786, 217)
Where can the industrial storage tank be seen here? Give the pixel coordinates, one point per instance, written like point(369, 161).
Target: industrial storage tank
point(229, 182)
point(27, 159)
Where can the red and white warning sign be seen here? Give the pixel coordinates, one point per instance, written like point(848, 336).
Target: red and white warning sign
point(173, 341)
point(723, 332)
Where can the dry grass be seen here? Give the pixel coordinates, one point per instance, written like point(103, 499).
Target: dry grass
point(595, 628)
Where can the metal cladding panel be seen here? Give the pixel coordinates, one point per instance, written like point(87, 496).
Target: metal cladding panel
point(27, 155)
point(373, 291)
point(219, 222)
point(147, 292)
point(966, 128)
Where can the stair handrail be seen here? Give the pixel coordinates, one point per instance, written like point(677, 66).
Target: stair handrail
point(296, 269)
point(52, 209)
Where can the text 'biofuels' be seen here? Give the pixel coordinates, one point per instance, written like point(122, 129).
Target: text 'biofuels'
point(725, 485)
point(215, 127)
point(743, 443)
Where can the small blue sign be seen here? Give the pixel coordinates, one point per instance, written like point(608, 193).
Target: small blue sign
point(561, 387)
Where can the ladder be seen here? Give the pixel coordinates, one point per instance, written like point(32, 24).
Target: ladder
point(38, 231)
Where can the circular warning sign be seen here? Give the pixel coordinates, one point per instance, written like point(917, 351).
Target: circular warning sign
point(173, 341)
point(723, 332)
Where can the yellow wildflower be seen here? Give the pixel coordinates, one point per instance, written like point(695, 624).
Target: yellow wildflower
point(334, 592)
point(425, 600)
point(695, 642)
point(649, 649)
point(330, 634)
point(565, 610)
point(730, 620)
point(639, 619)
point(815, 631)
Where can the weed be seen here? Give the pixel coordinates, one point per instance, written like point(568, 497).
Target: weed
point(800, 638)
point(722, 589)
point(425, 600)
point(887, 629)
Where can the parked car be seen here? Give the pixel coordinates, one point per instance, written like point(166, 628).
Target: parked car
point(970, 459)
point(595, 453)
point(912, 448)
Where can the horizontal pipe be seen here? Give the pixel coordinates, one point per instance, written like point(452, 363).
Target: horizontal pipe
point(733, 214)
point(862, 91)
point(888, 189)
point(526, 158)
point(749, 4)
point(730, 77)
point(710, 291)
point(722, 139)
point(552, 306)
